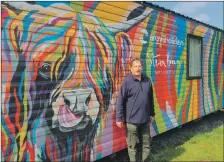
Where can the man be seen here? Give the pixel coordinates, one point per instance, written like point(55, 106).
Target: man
point(135, 102)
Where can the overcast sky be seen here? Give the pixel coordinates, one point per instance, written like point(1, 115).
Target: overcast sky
point(208, 12)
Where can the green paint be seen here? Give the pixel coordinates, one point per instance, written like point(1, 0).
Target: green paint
point(77, 6)
point(212, 61)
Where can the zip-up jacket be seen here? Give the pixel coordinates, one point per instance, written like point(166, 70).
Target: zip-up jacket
point(135, 100)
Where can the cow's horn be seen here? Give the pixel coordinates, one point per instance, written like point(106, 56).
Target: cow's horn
point(22, 5)
point(127, 25)
point(115, 27)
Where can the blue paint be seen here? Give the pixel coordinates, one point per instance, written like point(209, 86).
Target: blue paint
point(26, 24)
point(201, 105)
point(93, 7)
point(210, 72)
point(7, 46)
point(180, 115)
point(43, 150)
point(69, 151)
point(170, 53)
point(20, 92)
point(153, 67)
point(48, 3)
point(205, 42)
point(216, 63)
point(209, 109)
point(149, 27)
point(70, 66)
point(107, 36)
point(92, 55)
point(27, 157)
point(34, 131)
point(188, 103)
point(180, 78)
point(155, 127)
point(58, 33)
point(181, 34)
point(99, 156)
point(167, 120)
point(181, 24)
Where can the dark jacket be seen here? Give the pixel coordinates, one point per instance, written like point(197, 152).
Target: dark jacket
point(135, 100)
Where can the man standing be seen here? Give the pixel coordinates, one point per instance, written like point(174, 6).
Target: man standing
point(135, 103)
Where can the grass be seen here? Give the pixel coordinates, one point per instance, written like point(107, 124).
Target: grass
point(201, 147)
point(199, 140)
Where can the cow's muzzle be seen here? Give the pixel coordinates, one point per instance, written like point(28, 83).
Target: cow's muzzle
point(73, 109)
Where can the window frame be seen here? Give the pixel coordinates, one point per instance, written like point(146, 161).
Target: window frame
point(188, 55)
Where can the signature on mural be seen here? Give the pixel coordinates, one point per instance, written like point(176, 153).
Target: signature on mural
point(62, 76)
point(159, 62)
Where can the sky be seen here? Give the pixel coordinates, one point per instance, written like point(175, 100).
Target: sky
point(208, 12)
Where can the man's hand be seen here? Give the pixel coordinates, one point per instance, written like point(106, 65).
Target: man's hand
point(120, 124)
point(151, 119)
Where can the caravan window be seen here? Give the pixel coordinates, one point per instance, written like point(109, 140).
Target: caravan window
point(194, 57)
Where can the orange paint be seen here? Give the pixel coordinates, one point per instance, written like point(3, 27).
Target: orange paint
point(31, 151)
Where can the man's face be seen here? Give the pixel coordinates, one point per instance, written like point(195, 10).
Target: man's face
point(136, 68)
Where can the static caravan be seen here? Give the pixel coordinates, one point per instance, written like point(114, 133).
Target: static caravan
point(62, 64)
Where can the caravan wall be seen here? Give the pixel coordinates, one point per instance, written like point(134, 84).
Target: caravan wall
point(63, 64)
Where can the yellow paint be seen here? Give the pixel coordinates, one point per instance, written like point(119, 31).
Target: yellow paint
point(159, 117)
point(189, 118)
point(112, 12)
point(205, 76)
point(179, 98)
point(200, 31)
point(149, 51)
point(195, 98)
point(215, 83)
point(23, 131)
point(105, 60)
point(139, 37)
point(71, 32)
point(10, 12)
point(22, 135)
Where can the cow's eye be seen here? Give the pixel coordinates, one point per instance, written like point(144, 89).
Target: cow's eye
point(45, 70)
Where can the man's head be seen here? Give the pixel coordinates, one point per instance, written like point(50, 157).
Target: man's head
point(136, 67)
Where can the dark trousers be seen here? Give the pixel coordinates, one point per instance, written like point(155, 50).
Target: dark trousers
point(138, 140)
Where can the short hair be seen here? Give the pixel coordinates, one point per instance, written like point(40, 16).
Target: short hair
point(135, 59)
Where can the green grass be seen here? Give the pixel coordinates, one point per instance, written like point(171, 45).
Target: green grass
point(204, 146)
point(199, 140)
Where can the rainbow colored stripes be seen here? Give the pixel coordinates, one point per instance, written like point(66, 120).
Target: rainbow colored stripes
point(83, 51)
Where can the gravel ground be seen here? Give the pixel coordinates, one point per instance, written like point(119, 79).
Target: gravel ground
point(175, 137)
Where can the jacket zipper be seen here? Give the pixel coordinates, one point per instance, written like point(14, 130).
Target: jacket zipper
point(140, 85)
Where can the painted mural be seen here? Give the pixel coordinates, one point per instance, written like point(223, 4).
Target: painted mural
point(63, 64)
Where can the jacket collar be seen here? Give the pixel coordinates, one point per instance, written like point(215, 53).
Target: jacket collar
point(133, 77)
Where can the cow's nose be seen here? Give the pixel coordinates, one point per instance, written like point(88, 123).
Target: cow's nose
point(77, 101)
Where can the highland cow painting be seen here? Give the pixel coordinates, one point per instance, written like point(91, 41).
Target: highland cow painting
point(62, 65)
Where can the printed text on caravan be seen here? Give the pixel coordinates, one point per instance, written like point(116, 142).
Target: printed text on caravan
point(163, 39)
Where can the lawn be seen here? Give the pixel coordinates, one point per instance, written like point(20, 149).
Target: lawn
point(200, 140)
point(205, 146)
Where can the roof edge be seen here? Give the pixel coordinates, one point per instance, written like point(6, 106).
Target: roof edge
point(149, 4)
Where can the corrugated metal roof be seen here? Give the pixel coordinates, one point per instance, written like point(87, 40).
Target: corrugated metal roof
point(178, 14)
